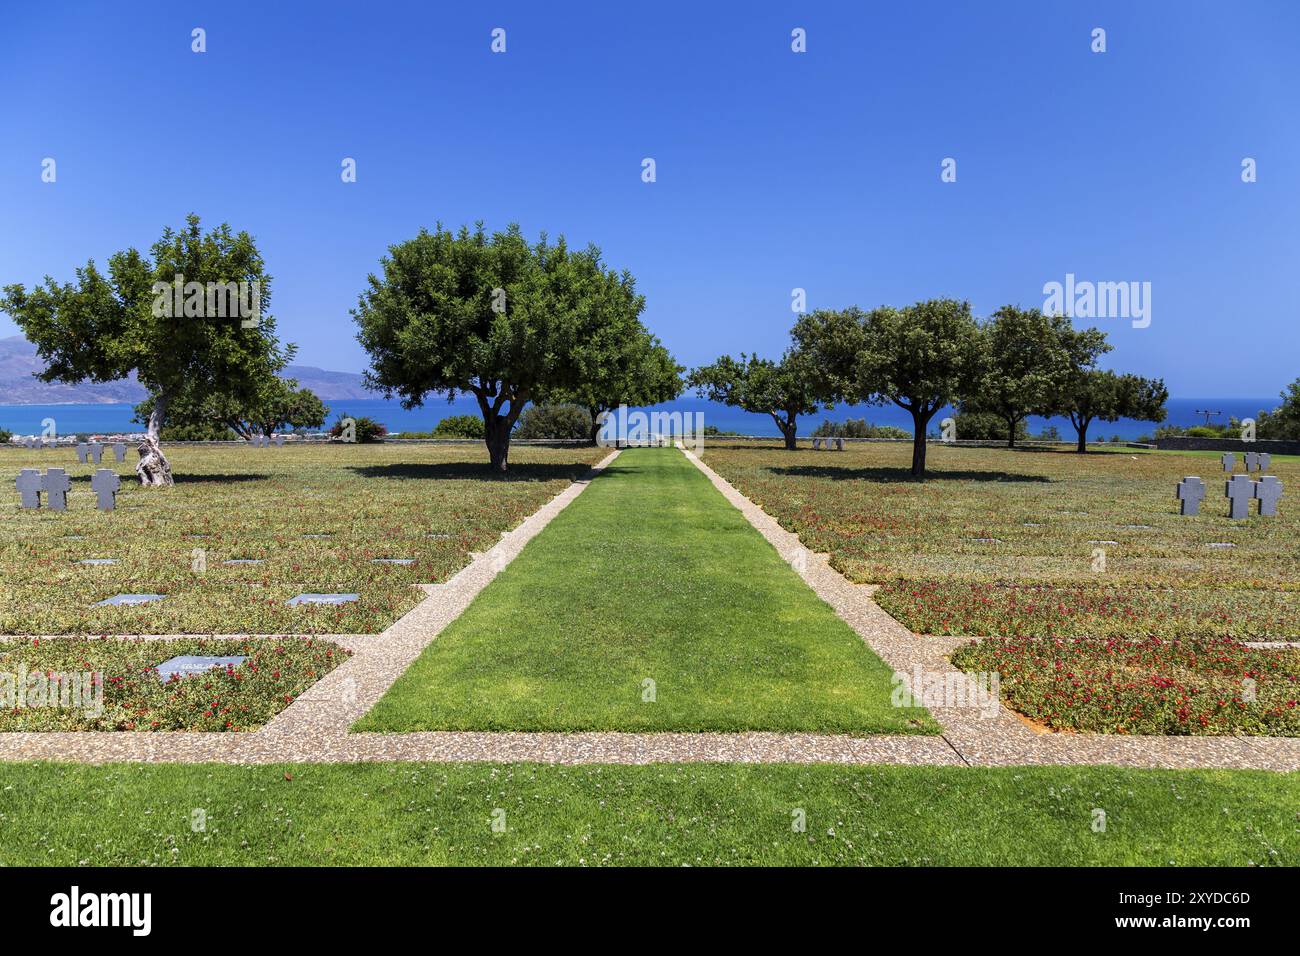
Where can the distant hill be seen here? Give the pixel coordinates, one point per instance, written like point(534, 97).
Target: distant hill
point(18, 385)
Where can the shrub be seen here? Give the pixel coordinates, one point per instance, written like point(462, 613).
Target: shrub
point(205, 432)
point(981, 426)
point(5, 434)
point(539, 422)
point(459, 426)
point(857, 428)
point(366, 430)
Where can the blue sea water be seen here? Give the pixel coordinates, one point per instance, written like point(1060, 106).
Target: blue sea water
point(107, 419)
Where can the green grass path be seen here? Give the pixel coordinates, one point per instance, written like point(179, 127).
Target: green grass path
point(649, 576)
point(132, 814)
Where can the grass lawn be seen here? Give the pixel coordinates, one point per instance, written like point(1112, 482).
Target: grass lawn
point(649, 576)
point(697, 814)
point(134, 697)
point(434, 504)
point(1001, 542)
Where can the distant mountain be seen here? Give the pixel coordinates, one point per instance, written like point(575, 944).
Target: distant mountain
point(19, 386)
point(329, 385)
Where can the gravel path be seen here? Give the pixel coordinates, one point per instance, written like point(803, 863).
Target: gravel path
point(314, 728)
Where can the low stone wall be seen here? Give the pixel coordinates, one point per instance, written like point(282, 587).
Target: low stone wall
point(1184, 443)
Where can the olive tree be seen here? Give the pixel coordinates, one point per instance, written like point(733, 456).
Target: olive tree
point(188, 319)
point(1023, 368)
point(784, 390)
point(494, 316)
point(920, 357)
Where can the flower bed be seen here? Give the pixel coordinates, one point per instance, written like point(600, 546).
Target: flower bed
point(1015, 610)
point(1150, 686)
point(113, 683)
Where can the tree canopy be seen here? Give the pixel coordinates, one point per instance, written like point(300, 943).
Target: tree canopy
point(279, 404)
point(623, 364)
point(1096, 394)
point(189, 318)
point(493, 316)
point(1284, 421)
point(1023, 367)
point(920, 357)
point(783, 390)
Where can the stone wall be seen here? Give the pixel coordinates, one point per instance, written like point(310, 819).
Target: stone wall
point(1184, 443)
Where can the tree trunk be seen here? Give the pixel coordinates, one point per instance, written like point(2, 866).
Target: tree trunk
point(496, 426)
point(790, 430)
point(153, 469)
point(1011, 433)
point(919, 423)
point(1082, 447)
point(497, 433)
point(595, 424)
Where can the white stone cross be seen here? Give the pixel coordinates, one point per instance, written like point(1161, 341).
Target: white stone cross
point(105, 483)
point(1268, 490)
point(56, 484)
point(1239, 490)
point(29, 485)
point(1191, 491)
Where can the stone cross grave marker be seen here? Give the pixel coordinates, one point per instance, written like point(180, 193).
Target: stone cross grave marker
point(1252, 460)
point(1268, 490)
point(96, 451)
point(56, 485)
point(817, 444)
point(1265, 459)
point(119, 450)
point(278, 441)
point(29, 486)
point(105, 483)
point(1239, 490)
point(1191, 492)
point(1229, 460)
point(83, 452)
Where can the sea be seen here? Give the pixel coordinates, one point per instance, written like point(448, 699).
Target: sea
point(111, 418)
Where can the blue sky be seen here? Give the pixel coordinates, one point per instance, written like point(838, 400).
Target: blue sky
point(775, 170)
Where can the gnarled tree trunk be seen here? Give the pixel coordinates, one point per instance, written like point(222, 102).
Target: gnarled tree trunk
point(497, 426)
point(153, 469)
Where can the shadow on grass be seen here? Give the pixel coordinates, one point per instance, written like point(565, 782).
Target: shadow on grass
point(444, 471)
point(847, 473)
point(232, 477)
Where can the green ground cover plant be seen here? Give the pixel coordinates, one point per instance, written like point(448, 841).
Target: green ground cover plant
point(648, 604)
point(1076, 610)
point(134, 697)
point(434, 504)
point(997, 541)
point(670, 815)
point(1149, 686)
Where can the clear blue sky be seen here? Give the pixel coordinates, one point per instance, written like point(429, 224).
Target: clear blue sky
point(775, 169)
